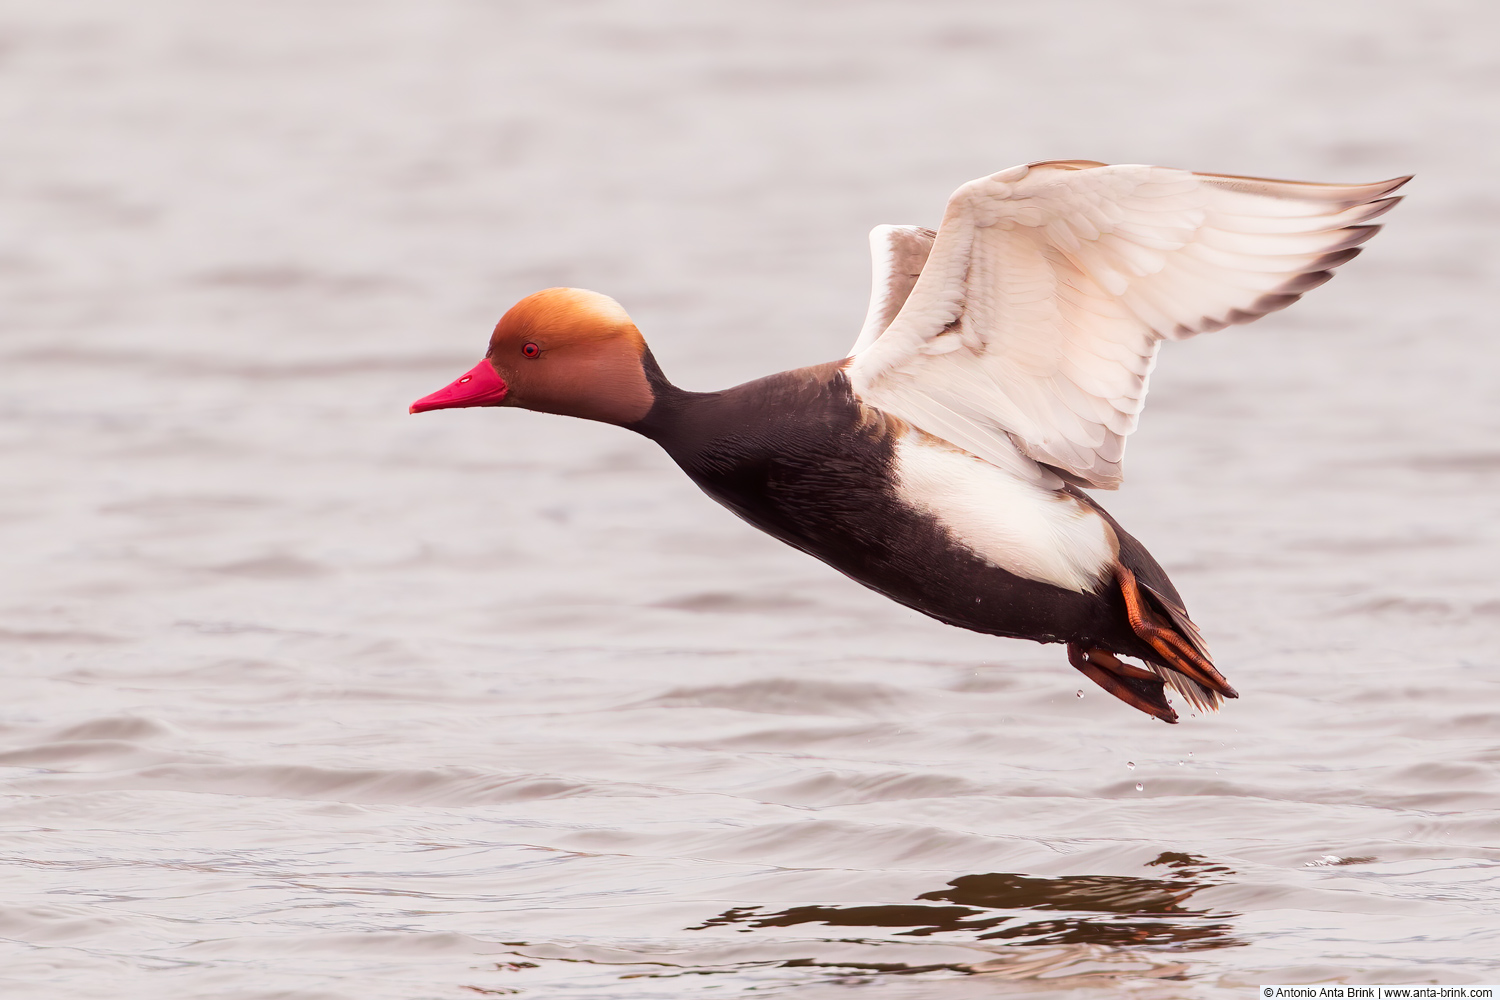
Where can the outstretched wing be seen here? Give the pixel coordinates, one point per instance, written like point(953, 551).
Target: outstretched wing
point(1037, 316)
point(897, 254)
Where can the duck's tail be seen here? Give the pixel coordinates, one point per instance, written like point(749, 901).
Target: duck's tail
point(1182, 658)
point(1170, 644)
point(1177, 655)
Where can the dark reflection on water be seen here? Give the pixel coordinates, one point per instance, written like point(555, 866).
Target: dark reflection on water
point(923, 920)
point(1109, 910)
point(882, 968)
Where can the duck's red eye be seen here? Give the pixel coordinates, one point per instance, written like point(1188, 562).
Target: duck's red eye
point(530, 350)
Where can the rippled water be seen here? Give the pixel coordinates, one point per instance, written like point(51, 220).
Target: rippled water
point(307, 698)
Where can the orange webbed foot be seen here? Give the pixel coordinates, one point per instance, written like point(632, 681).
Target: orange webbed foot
point(1140, 689)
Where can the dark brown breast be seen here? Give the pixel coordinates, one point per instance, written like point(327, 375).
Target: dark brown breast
point(796, 455)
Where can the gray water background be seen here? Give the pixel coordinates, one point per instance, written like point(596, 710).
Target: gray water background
point(307, 698)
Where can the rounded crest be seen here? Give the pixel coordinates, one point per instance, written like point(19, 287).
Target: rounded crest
point(572, 351)
point(565, 316)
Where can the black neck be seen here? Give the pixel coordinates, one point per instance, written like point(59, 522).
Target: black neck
point(671, 404)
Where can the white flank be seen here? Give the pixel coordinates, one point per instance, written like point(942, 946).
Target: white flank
point(1016, 525)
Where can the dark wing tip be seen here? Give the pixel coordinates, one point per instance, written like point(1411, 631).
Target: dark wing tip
point(1332, 260)
point(1355, 235)
point(1304, 282)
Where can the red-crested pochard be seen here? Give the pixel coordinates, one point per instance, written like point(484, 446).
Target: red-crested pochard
point(1001, 366)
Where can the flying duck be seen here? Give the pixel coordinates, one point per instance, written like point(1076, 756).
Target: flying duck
point(1000, 368)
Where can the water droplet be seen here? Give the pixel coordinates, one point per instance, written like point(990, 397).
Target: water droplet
point(1140, 787)
point(1181, 762)
point(1190, 753)
point(1080, 694)
point(1130, 764)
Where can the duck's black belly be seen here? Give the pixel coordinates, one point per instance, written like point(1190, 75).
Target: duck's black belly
point(798, 457)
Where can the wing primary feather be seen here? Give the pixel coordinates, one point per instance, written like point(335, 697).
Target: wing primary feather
point(1306, 281)
point(1261, 306)
point(1354, 236)
point(1307, 191)
point(1331, 260)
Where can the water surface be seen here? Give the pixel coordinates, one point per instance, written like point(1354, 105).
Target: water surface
point(308, 698)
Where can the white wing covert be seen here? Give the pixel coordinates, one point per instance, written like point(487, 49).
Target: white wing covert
point(1030, 333)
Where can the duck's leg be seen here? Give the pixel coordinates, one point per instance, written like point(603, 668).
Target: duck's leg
point(1176, 651)
point(1135, 687)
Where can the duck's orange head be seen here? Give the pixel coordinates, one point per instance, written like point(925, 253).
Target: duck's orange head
point(561, 350)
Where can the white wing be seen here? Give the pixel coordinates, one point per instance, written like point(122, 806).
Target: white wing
point(1037, 317)
point(897, 254)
